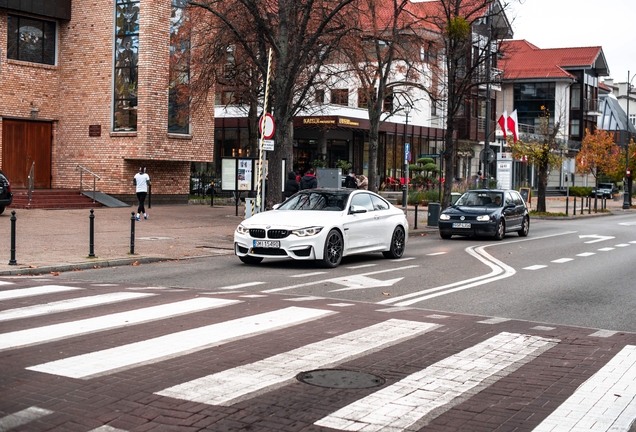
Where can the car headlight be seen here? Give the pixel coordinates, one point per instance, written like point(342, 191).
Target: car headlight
point(483, 218)
point(242, 230)
point(305, 232)
point(444, 217)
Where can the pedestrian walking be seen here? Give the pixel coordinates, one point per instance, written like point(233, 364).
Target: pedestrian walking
point(291, 185)
point(363, 182)
point(309, 180)
point(141, 181)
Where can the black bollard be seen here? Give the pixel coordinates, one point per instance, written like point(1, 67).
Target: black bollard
point(415, 225)
point(91, 235)
point(132, 233)
point(567, 205)
point(574, 211)
point(582, 204)
point(12, 261)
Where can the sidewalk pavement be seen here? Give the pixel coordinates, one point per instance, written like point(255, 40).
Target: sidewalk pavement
point(59, 240)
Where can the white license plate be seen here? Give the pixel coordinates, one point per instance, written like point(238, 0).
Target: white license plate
point(461, 225)
point(267, 243)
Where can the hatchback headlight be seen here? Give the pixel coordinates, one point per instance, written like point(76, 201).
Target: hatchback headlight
point(306, 232)
point(444, 217)
point(242, 230)
point(483, 218)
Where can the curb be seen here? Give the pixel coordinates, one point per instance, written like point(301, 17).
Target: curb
point(30, 271)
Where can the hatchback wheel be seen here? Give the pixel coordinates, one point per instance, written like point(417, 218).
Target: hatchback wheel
point(333, 249)
point(501, 230)
point(525, 227)
point(1, 209)
point(396, 249)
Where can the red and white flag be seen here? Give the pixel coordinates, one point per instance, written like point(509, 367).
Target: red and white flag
point(513, 126)
point(502, 122)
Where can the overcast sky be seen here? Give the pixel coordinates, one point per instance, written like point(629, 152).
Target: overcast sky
point(580, 23)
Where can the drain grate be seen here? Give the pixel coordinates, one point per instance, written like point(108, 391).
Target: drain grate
point(340, 378)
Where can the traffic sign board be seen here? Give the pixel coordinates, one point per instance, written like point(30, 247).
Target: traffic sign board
point(267, 123)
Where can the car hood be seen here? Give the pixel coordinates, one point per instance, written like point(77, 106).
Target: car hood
point(289, 219)
point(469, 210)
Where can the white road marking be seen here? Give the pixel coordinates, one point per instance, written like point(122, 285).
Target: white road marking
point(403, 259)
point(562, 260)
point(176, 344)
point(243, 382)
point(6, 283)
point(633, 241)
point(604, 333)
point(535, 267)
point(542, 328)
point(340, 304)
point(413, 401)
point(302, 275)
point(597, 238)
point(494, 320)
point(335, 280)
point(586, 254)
point(305, 298)
point(69, 304)
point(436, 253)
point(23, 417)
point(35, 291)
point(622, 245)
point(605, 402)
point(361, 266)
point(107, 428)
point(254, 295)
point(243, 285)
point(627, 223)
point(36, 335)
point(356, 282)
point(606, 249)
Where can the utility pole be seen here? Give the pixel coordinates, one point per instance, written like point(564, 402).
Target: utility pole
point(487, 127)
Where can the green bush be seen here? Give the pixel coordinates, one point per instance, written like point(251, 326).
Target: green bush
point(580, 191)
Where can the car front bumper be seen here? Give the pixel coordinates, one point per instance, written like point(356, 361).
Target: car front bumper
point(298, 248)
point(477, 228)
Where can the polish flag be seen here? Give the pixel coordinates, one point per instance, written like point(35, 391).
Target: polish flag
point(513, 126)
point(502, 122)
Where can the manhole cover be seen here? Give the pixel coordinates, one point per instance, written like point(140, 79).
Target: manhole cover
point(340, 378)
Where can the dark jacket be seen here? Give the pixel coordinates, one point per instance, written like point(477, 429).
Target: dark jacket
point(308, 181)
point(291, 185)
point(350, 182)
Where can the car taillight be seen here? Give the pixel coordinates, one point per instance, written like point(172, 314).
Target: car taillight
point(9, 186)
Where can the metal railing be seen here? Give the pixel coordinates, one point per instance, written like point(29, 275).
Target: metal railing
point(83, 170)
point(31, 184)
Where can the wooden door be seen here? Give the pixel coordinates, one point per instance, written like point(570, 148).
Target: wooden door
point(23, 143)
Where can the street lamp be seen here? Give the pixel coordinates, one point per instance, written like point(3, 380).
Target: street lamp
point(405, 186)
point(627, 193)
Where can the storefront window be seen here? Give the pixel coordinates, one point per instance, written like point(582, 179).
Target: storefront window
point(179, 89)
point(126, 57)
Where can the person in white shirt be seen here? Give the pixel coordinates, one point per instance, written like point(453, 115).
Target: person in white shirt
point(141, 181)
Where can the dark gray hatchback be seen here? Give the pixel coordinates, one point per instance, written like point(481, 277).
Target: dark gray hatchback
point(6, 197)
point(486, 212)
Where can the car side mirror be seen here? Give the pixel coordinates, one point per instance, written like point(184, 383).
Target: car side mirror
point(275, 206)
point(354, 209)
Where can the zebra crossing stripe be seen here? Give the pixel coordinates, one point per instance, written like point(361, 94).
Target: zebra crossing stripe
point(23, 417)
point(176, 344)
point(35, 291)
point(413, 401)
point(37, 335)
point(243, 382)
point(69, 304)
point(605, 402)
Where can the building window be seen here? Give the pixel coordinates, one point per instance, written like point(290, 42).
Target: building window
point(179, 89)
point(320, 96)
point(632, 118)
point(30, 40)
point(388, 102)
point(340, 97)
point(575, 97)
point(575, 128)
point(531, 99)
point(126, 56)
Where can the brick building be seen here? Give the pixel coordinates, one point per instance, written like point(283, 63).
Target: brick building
point(88, 83)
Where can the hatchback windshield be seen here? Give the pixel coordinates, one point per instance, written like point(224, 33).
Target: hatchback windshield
point(480, 199)
point(317, 200)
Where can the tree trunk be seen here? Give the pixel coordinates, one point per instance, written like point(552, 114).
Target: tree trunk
point(541, 187)
point(373, 156)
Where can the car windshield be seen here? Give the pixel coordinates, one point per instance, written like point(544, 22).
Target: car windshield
point(480, 199)
point(317, 200)
point(605, 185)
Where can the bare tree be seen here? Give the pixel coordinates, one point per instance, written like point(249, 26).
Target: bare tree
point(301, 35)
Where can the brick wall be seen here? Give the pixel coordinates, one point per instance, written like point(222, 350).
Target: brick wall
point(78, 92)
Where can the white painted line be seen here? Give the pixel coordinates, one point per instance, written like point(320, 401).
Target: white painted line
point(69, 304)
point(604, 333)
point(436, 253)
point(23, 417)
point(622, 245)
point(586, 254)
point(542, 328)
point(393, 309)
point(435, 316)
point(176, 344)
point(606, 249)
point(535, 267)
point(341, 304)
point(413, 401)
point(243, 285)
point(605, 402)
point(36, 335)
point(403, 259)
point(243, 382)
point(563, 260)
point(253, 296)
point(104, 284)
point(6, 283)
point(308, 274)
point(494, 321)
point(107, 428)
point(306, 298)
point(361, 266)
point(633, 241)
point(35, 291)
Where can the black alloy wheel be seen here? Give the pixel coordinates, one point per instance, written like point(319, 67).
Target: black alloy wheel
point(501, 230)
point(334, 246)
point(398, 244)
point(525, 227)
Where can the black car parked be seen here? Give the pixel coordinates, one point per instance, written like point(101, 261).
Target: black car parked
point(486, 212)
point(6, 197)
